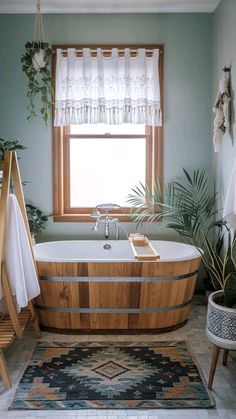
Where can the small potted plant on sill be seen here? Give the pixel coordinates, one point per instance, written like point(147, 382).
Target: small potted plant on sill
point(36, 220)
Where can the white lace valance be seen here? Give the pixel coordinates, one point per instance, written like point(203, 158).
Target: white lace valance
point(112, 90)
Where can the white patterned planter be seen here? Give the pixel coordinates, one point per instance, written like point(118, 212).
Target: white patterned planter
point(221, 323)
point(38, 59)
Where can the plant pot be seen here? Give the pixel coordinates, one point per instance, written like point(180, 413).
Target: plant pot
point(38, 59)
point(221, 322)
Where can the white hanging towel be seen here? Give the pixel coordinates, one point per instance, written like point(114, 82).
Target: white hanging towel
point(229, 212)
point(18, 257)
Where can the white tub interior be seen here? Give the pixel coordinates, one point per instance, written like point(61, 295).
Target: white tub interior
point(92, 250)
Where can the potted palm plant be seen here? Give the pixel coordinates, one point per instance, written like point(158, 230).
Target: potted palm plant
point(189, 209)
point(186, 206)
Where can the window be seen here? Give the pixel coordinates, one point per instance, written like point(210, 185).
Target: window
point(116, 154)
point(95, 164)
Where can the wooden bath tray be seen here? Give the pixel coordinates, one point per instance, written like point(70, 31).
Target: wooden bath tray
point(144, 251)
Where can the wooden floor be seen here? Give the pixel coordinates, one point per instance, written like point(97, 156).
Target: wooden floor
point(224, 387)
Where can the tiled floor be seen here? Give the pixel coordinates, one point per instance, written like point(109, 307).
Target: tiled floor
point(224, 388)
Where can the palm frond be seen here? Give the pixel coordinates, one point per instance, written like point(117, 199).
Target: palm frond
point(186, 206)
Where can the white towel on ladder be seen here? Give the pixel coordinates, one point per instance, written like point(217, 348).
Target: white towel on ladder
point(229, 212)
point(18, 257)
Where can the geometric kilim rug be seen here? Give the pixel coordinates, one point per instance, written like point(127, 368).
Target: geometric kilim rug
point(111, 376)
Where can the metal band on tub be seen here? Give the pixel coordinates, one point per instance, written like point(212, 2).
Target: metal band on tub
point(112, 310)
point(116, 278)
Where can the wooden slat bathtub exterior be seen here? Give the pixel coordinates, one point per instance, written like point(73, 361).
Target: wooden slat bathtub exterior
point(96, 295)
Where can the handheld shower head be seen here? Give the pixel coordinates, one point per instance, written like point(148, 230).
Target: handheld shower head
point(95, 228)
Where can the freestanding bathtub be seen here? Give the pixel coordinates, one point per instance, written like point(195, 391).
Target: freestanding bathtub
point(84, 286)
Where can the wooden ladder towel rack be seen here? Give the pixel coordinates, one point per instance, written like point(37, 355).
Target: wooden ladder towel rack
point(13, 326)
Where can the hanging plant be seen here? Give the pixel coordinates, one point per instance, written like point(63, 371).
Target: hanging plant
point(36, 64)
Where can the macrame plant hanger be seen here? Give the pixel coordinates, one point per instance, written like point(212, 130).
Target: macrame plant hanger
point(39, 39)
point(36, 63)
point(39, 35)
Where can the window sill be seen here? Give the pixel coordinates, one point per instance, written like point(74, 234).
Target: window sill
point(85, 218)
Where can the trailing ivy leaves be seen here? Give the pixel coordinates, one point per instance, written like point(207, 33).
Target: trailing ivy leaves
point(39, 77)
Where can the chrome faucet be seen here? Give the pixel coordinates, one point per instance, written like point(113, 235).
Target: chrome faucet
point(107, 220)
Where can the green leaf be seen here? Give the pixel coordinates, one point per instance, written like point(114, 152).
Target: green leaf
point(189, 207)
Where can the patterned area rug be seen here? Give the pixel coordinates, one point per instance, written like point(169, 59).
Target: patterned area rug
point(111, 375)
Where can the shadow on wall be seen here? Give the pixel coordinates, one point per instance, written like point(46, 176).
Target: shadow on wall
point(232, 114)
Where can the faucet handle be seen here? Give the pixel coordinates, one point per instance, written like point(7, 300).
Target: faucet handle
point(95, 213)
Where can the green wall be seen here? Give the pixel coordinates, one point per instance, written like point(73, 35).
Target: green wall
point(188, 102)
point(224, 53)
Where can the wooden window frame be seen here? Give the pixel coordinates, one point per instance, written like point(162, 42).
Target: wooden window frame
point(60, 152)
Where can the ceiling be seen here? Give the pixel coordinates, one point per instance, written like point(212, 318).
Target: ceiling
point(110, 6)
